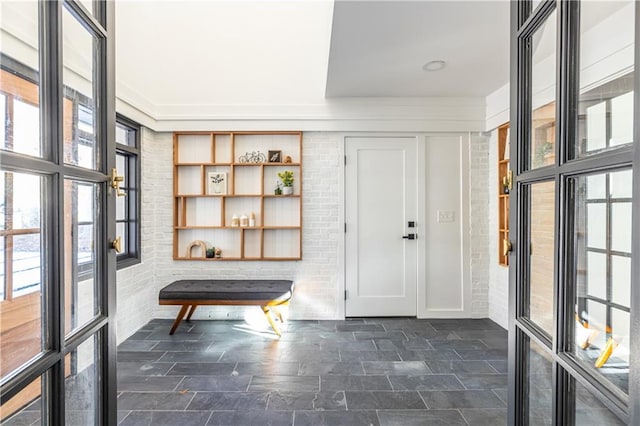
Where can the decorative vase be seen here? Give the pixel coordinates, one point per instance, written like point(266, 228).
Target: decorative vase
point(287, 190)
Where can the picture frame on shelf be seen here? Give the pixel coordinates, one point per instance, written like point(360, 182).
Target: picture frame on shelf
point(275, 156)
point(217, 183)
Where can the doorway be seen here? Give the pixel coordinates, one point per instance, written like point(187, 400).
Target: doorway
point(381, 210)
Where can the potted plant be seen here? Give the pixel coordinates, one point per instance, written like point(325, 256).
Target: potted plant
point(287, 180)
point(211, 253)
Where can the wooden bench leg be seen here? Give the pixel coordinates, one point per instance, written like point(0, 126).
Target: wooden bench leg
point(267, 313)
point(176, 323)
point(193, 308)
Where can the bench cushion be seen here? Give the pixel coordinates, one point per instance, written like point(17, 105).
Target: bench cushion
point(227, 290)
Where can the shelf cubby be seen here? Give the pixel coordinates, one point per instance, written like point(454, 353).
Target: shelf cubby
point(203, 208)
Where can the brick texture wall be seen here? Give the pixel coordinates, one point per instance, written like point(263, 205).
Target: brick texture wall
point(479, 197)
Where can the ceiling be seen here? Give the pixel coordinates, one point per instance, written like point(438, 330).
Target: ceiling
point(301, 52)
point(379, 48)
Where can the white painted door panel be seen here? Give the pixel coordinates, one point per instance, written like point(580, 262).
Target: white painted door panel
point(381, 194)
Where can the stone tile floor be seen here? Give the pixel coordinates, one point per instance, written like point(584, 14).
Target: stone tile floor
point(374, 371)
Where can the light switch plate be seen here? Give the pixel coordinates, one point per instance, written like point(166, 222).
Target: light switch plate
point(446, 216)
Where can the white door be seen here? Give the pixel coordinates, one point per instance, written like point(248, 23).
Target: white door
point(381, 193)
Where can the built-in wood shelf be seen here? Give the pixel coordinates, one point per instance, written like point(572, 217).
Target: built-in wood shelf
point(204, 209)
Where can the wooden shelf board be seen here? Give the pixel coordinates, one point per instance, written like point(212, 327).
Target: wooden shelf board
point(503, 161)
point(281, 196)
point(200, 196)
point(275, 228)
point(210, 259)
point(281, 258)
point(243, 195)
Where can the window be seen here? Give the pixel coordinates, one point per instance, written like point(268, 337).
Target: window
point(128, 207)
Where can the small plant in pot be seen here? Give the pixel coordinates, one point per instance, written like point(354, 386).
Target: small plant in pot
point(287, 180)
point(210, 253)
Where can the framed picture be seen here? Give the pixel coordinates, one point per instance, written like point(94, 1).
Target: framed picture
point(217, 183)
point(275, 156)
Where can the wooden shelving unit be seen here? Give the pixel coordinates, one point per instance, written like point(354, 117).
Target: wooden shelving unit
point(203, 210)
point(503, 193)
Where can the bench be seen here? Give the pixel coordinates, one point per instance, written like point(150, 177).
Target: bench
point(189, 294)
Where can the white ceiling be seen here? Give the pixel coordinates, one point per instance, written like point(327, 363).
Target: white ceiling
point(299, 52)
point(379, 48)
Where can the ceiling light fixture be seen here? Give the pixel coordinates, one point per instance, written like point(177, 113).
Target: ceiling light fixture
point(434, 65)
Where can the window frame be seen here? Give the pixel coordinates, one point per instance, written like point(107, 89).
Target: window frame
point(131, 255)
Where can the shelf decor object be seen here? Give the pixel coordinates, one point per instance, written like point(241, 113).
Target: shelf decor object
point(223, 187)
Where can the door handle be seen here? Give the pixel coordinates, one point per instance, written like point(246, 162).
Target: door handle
point(410, 237)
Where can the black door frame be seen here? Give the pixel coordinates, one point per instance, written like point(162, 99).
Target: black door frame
point(50, 363)
point(521, 330)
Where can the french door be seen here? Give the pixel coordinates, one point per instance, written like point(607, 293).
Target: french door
point(574, 346)
point(57, 210)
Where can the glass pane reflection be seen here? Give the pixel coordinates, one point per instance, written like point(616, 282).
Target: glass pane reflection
point(602, 268)
point(589, 410)
point(20, 97)
point(541, 254)
point(22, 252)
point(26, 407)
point(605, 108)
point(542, 92)
point(79, 53)
point(81, 215)
point(82, 383)
point(540, 386)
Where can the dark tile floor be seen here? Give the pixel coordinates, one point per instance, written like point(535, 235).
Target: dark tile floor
point(355, 372)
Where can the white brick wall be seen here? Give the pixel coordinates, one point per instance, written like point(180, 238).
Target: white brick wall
point(479, 195)
point(498, 275)
point(135, 285)
point(316, 276)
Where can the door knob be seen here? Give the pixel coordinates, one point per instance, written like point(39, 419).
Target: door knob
point(410, 237)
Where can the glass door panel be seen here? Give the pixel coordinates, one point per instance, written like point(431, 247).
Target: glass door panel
point(82, 383)
point(20, 97)
point(79, 50)
point(26, 407)
point(605, 100)
point(540, 272)
point(541, 151)
point(589, 411)
point(539, 384)
point(602, 269)
point(81, 265)
point(21, 307)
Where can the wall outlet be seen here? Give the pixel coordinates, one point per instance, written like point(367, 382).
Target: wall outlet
point(445, 216)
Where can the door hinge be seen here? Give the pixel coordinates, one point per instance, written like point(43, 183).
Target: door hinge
point(345, 295)
point(345, 227)
point(345, 160)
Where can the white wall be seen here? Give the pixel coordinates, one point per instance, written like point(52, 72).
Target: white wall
point(136, 295)
point(456, 280)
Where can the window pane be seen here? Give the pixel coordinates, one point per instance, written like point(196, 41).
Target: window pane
point(80, 201)
point(589, 410)
point(605, 107)
point(26, 407)
point(82, 383)
point(79, 53)
point(125, 135)
point(26, 128)
point(539, 385)
point(543, 87)
point(21, 336)
point(20, 127)
point(541, 254)
point(27, 270)
point(602, 268)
